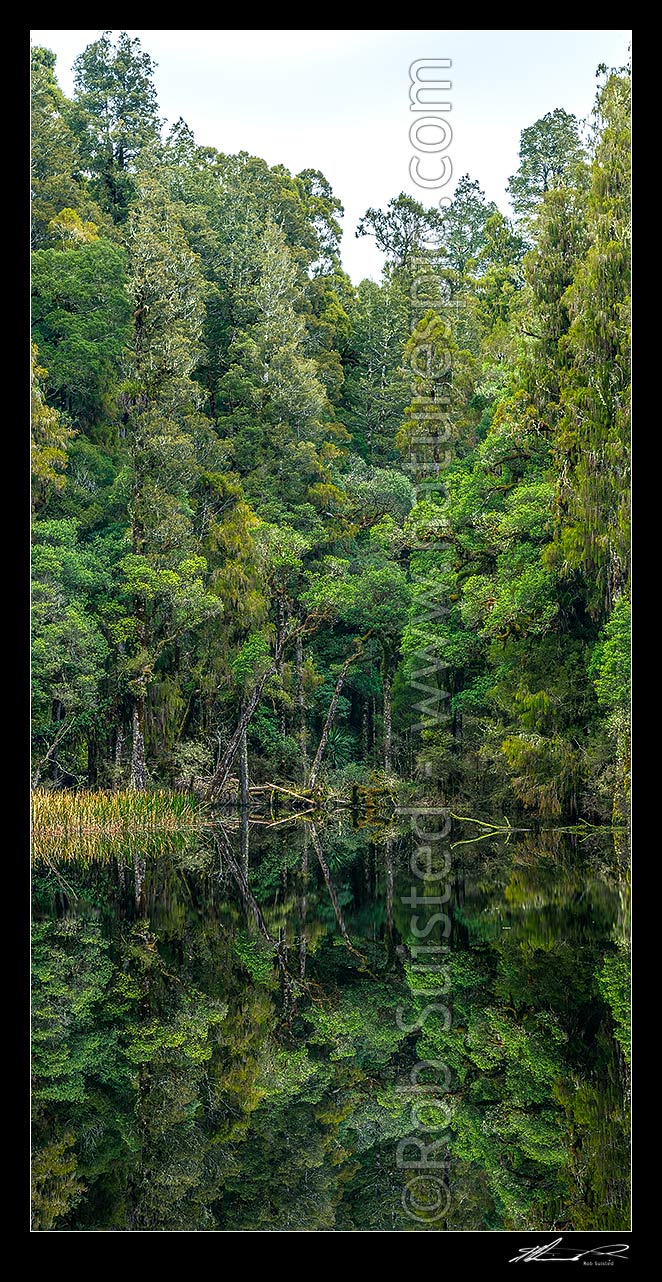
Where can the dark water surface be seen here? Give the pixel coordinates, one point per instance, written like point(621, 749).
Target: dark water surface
point(246, 1033)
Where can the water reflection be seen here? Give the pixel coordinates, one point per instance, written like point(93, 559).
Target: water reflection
point(216, 1043)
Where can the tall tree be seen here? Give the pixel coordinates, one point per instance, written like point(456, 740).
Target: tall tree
point(594, 438)
point(117, 115)
point(57, 177)
point(276, 408)
point(551, 156)
point(377, 387)
point(464, 225)
point(404, 230)
point(163, 579)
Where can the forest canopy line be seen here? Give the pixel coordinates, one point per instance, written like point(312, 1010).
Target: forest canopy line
point(231, 559)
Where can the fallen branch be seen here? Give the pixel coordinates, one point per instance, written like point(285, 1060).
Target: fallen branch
point(494, 827)
point(289, 819)
point(276, 787)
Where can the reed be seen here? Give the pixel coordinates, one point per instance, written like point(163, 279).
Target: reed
point(74, 825)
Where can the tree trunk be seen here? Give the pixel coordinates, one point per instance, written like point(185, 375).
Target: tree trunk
point(139, 870)
point(138, 773)
point(329, 883)
point(245, 841)
point(58, 715)
point(364, 731)
point(241, 879)
point(329, 722)
point(301, 702)
point(222, 772)
point(332, 893)
point(65, 727)
point(303, 906)
point(351, 658)
point(388, 860)
point(119, 747)
point(244, 798)
point(243, 770)
point(281, 631)
point(92, 759)
point(387, 723)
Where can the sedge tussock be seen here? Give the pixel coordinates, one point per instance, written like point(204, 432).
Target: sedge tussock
point(92, 825)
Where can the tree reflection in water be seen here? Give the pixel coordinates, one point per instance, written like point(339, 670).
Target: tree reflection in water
point(216, 1044)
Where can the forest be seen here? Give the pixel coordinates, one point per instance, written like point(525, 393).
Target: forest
point(227, 522)
point(301, 543)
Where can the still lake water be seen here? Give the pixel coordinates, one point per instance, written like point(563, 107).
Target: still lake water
point(230, 1032)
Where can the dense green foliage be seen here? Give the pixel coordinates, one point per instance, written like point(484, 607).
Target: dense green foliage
point(212, 1051)
point(230, 490)
point(294, 530)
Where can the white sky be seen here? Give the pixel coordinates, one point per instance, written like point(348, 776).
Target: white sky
point(338, 101)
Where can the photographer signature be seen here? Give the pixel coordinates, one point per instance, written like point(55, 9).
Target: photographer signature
point(554, 1251)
